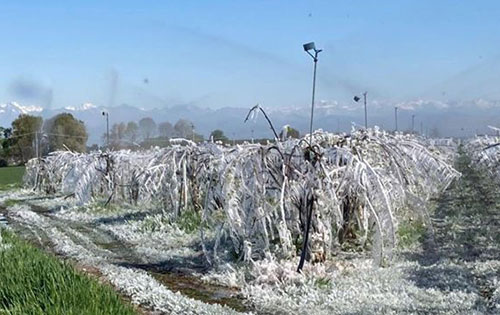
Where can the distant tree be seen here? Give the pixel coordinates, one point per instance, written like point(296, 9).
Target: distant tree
point(435, 133)
point(93, 147)
point(117, 135)
point(119, 130)
point(6, 143)
point(64, 131)
point(132, 131)
point(289, 132)
point(198, 137)
point(7, 132)
point(147, 126)
point(166, 130)
point(184, 128)
point(218, 135)
point(24, 131)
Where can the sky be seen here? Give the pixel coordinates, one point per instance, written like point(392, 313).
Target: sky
point(238, 53)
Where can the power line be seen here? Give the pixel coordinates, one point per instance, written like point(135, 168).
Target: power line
point(63, 135)
point(47, 134)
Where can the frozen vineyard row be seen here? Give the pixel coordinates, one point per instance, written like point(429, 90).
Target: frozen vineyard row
point(255, 201)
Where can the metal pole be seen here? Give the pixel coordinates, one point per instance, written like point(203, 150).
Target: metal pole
point(412, 123)
point(366, 118)
point(421, 128)
point(36, 144)
point(312, 102)
point(107, 127)
point(396, 117)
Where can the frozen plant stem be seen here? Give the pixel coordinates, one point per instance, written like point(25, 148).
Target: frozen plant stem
point(303, 254)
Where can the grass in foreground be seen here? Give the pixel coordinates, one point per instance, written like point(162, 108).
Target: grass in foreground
point(11, 177)
point(32, 282)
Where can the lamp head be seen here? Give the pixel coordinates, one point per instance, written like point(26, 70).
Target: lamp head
point(356, 98)
point(309, 46)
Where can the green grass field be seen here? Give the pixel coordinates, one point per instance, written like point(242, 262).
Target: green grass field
point(11, 177)
point(32, 282)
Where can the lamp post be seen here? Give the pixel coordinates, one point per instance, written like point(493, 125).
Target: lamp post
point(413, 123)
point(396, 117)
point(356, 99)
point(366, 117)
point(106, 113)
point(308, 48)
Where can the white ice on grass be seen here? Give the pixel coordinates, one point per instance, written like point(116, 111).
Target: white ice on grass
point(165, 242)
point(145, 290)
point(338, 286)
point(141, 287)
point(18, 194)
point(359, 290)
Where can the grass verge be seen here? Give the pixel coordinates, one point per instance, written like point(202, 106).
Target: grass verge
point(11, 177)
point(410, 233)
point(32, 282)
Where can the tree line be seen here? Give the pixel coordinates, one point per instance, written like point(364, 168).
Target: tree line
point(30, 136)
point(148, 133)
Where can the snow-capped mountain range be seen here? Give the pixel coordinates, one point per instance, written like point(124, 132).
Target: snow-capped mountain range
point(450, 118)
point(16, 108)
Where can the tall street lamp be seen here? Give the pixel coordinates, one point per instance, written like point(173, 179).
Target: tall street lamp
point(105, 113)
point(308, 48)
point(413, 123)
point(356, 99)
point(396, 117)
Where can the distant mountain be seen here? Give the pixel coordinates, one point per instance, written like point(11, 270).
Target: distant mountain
point(10, 111)
point(450, 118)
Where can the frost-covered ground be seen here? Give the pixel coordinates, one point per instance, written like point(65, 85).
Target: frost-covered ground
point(455, 270)
point(85, 240)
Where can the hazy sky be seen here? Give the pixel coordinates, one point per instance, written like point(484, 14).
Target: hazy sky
point(237, 53)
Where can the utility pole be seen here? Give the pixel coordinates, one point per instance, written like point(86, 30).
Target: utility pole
point(396, 117)
point(412, 123)
point(421, 128)
point(366, 118)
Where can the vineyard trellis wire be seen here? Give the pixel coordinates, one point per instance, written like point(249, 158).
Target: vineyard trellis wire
point(255, 199)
